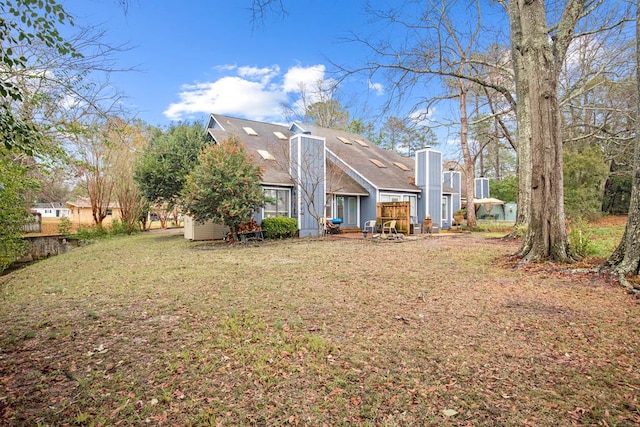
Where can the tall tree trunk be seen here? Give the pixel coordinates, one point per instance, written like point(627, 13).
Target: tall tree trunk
point(496, 147)
point(539, 61)
point(469, 166)
point(626, 258)
point(523, 117)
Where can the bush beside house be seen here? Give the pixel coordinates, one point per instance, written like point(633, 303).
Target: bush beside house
point(279, 227)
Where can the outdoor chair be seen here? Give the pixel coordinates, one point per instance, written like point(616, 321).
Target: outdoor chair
point(390, 227)
point(369, 227)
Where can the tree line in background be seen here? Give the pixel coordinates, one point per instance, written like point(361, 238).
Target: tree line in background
point(63, 127)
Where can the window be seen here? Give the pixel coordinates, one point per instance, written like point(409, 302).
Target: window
point(109, 212)
point(343, 139)
point(279, 204)
point(401, 166)
point(250, 131)
point(390, 198)
point(280, 135)
point(445, 208)
point(266, 155)
point(362, 143)
point(414, 204)
point(378, 163)
point(413, 201)
point(347, 209)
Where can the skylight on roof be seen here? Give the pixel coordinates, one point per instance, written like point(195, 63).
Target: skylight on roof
point(378, 163)
point(343, 139)
point(401, 166)
point(280, 135)
point(266, 155)
point(361, 142)
point(250, 131)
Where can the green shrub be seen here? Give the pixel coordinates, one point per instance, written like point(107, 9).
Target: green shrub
point(91, 232)
point(64, 227)
point(118, 228)
point(279, 228)
point(580, 238)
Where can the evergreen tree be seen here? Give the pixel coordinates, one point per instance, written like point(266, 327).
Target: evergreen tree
point(224, 186)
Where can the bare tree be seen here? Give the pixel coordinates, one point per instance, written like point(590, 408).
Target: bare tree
point(314, 187)
point(132, 138)
point(96, 153)
point(540, 35)
point(318, 104)
point(539, 41)
point(69, 98)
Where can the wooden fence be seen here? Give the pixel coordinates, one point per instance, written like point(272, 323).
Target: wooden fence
point(399, 211)
point(34, 224)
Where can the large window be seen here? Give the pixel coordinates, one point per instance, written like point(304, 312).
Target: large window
point(279, 204)
point(347, 209)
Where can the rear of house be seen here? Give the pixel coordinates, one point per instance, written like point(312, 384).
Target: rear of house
point(81, 213)
point(314, 173)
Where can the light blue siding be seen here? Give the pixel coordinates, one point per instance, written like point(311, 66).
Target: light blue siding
point(434, 186)
point(481, 188)
point(429, 179)
point(307, 168)
point(510, 211)
point(454, 179)
point(367, 203)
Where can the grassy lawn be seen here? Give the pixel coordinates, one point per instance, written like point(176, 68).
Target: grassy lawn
point(155, 330)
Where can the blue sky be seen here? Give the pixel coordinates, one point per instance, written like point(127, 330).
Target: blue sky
point(201, 57)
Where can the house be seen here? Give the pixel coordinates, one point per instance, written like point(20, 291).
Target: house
point(52, 210)
point(81, 213)
point(312, 173)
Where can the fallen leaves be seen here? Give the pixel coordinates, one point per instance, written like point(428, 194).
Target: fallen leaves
point(455, 337)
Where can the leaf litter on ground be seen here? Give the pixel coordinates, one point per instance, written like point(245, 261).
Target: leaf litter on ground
point(436, 331)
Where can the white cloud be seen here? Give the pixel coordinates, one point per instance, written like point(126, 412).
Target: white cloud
point(228, 95)
point(306, 76)
point(252, 92)
point(225, 67)
point(262, 74)
point(378, 88)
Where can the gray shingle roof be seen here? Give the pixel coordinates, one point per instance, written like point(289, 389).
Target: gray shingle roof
point(275, 172)
point(355, 155)
point(359, 158)
point(50, 205)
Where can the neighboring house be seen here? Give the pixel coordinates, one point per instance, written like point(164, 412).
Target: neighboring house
point(82, 214)
point(52, 210)
point(313, 172)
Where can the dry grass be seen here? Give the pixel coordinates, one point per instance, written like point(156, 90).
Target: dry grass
point(155, 330)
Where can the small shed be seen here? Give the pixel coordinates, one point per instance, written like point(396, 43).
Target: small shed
point(194, 230)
